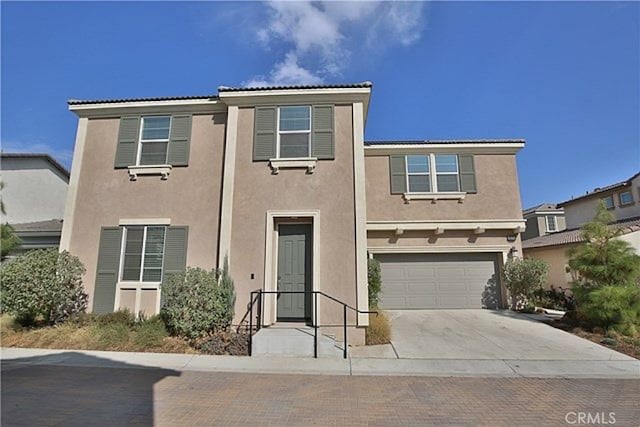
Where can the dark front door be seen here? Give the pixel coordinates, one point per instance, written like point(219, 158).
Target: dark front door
point(294, 272)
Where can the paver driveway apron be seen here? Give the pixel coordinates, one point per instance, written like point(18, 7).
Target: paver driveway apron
point(487, 334)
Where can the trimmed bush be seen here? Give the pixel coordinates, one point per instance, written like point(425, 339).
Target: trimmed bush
point(196, 303)
point(522, 277)
point(44, 285)
point(375, 282)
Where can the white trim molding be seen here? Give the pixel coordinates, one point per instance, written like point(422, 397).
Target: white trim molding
point(162, 170)
point(439, 227)
point(227, 186)
point(458, 147)
point(294, 162)
point(434, 196)
point(72, 192)
point(359, 190)
point(437, 249)
point(271, 258)
point(145, 221)
point(115, 109)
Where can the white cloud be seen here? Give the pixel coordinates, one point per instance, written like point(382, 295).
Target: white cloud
point(321, 37)
point(63, 155)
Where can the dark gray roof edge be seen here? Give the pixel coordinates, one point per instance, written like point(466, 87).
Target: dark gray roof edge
point(443, 141)
point(152, 99)
point(47, 157)
point(553, 206)
point(365, 84)
point(601, 190)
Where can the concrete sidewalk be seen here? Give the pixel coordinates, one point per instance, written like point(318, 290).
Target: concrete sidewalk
point(499, 368)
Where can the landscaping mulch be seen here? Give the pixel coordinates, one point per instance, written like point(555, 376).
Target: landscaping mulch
point(623, 344)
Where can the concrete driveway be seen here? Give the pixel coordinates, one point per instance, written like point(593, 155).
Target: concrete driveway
point(486, 334)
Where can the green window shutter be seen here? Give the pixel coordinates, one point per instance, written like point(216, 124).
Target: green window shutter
point(264, 142)
point(104, 293)
point(398, 174)
point(322, 145)
point(467, 173)
point(179, 142)
point(175, 251)
point(127, 142)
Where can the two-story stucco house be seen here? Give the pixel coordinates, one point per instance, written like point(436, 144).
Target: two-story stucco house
point(281, 181)
point(621, 198)
point(34, 194)
point(543, 219)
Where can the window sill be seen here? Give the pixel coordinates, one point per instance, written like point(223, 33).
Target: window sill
point(136, 285)
point(295, 162)
point(162, 170)
point(434, 196)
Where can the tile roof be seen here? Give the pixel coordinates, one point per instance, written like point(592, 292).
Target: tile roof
point(443, 141)
point(294, 87)
point(627, 225)
point(44, 156)
point(541, 207)
point(601, 190)
point(160, 98)
point(51, 225)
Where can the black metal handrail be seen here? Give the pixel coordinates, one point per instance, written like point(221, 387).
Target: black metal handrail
point(259, 293)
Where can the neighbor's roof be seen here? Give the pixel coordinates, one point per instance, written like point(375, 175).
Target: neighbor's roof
point(566, 237)
point(541, 207)
point(220, 89)
point(443, 141)
point(296, 87)
point(44, 156)
point(601, 190)
point(48, 226)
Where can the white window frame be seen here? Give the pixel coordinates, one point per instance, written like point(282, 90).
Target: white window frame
point(406, 172)
point(555, 223)
point(433, 174)
point(630, 195)
point(138, 286)
point(141, 141)
point(279, 132)
point(613, 205)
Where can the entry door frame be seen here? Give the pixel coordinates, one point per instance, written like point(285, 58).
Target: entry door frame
point(271, 258)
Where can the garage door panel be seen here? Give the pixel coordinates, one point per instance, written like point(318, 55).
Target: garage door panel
point(424, 281)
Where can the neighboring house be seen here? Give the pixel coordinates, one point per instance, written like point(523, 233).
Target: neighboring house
point(623, 199)
point(281, 181)
point(34, 197)
point(543, 219)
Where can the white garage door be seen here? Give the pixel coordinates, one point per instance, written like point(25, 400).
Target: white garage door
point(423, 281)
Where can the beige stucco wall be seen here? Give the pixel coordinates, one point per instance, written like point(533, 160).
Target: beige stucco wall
point(581, 211)
point(556, 257)
point(498, 194)
point(190, 196)
point(329, 190)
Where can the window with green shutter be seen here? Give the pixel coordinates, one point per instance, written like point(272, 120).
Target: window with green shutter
point(432, 173)
point(143, 254)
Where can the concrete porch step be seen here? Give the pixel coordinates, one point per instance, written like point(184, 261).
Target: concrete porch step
point(293, 342)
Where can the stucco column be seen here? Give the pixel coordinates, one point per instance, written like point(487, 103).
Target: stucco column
point(72, 192)
point(227, 185)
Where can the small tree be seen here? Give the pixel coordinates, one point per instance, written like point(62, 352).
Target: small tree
point(227, 293)
point(43, 283)
point(9, 240)
point(603, 260)
point(522, 277)
point(375, 282)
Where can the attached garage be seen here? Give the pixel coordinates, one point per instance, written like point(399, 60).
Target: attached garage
point(438, 281)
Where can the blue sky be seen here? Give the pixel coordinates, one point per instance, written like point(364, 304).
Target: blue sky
point(564, 76)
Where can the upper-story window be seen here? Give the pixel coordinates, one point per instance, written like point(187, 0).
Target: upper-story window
point(294, 131)
point(143, 254)
point(608, 202)
point(626, 198)
point(552, 225)
point(420, 179)
point(154, 140)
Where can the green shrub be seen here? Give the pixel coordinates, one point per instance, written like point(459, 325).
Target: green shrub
point(522, 277)
point(43, 284)
point(9, 240)
point(195, 304)
point(227, 294)
point(149, 333)
point(375, 281)
point(611, 307)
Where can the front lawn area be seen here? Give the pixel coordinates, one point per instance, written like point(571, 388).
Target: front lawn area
point(116, 332)
point(628, 345)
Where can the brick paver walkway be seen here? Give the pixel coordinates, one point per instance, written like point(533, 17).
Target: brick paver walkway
point(59, 395)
